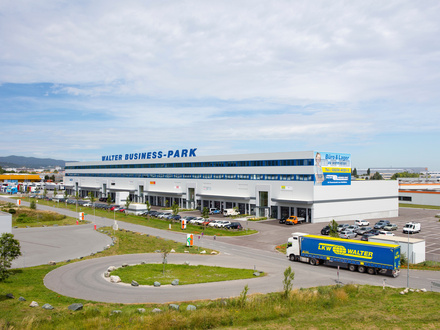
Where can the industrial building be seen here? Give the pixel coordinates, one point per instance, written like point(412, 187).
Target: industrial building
point(310, 184)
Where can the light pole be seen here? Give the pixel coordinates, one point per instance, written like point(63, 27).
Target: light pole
point(407, 261)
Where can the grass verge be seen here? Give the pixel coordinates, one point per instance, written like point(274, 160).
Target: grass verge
point(418, 206)
point(147, 274)
point(149, 221)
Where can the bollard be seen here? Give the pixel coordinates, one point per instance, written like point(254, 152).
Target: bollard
point(95, 227)
point(76, 221)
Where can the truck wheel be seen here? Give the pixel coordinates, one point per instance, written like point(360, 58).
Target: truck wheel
point(352, 268)
point(361, 269)
point(313, 262)
point(371, 271)
point(292, 257)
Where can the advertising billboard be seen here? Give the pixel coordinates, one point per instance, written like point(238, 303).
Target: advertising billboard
point(332, 169)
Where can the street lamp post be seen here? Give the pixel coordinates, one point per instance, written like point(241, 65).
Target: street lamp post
point(407, 261)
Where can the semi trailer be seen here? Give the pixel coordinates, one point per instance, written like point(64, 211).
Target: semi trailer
point(354, 255)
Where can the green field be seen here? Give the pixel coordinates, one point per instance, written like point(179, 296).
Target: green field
point(147, 274)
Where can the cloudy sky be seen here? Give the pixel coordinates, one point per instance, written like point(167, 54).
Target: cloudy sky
point(81, 79)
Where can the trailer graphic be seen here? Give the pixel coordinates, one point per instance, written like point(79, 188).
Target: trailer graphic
point(352, 254)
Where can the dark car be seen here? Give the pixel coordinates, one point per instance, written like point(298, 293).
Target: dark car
point(366, 236)
point(282, 221)
point(234, 225)
point(381, 223)
point(325, 230)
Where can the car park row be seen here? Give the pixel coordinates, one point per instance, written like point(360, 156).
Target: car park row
point(361, 228)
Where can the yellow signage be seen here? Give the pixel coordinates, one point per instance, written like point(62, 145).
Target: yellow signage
point(341, 250)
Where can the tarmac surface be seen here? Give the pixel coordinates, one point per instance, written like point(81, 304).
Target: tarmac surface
point(85, 279)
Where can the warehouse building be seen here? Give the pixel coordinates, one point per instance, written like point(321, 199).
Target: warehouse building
point(309, 184)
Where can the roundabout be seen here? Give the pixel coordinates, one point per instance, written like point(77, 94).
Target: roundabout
point(86, 280)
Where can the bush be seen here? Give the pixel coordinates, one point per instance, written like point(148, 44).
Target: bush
point(23, 218)
point(33, 205)
point(12, 211)
point(403, 259)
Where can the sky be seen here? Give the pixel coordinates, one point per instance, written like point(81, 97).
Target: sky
point(82, 79)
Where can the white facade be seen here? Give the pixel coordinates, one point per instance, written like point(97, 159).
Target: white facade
point(267, 184)
point(420, 193)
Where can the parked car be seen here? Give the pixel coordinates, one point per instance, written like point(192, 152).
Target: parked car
point(386, 233)
point(234, 225)
point(223, 223)
point(381, 223)
point(214, 211)
point(363, 230)
point(347, 234)
point(374, 231)
point(391, 226)
point(342, 226)
point(325, 230)
point(361, 222)
point(412, 228)
point(353, 227)
point(282, 221)
point(366, 236)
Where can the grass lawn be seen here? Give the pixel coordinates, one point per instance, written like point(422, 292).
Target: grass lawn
point(148, 222)
point(417, 206)
point(187, 274)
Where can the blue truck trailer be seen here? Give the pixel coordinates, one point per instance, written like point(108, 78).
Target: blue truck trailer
point(354, 255)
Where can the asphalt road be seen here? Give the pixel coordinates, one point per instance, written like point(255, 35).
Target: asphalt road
point(85, 279)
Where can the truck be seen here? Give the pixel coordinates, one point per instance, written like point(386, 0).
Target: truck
point(411, 228)
point(230, 212)
point(294, 220)
point(353, 255)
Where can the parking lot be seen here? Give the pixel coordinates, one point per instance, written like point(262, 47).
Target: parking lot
point(430, 228)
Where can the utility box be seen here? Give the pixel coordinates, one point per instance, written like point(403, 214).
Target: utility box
point(5, 223)
point(413, 248)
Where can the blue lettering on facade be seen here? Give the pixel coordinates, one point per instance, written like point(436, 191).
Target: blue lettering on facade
point(179, 153)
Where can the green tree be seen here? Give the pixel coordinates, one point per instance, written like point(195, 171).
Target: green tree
point(377, 176)
point(354, 173)
point(109, 201)
point(175, 208)
point(333, 228)
point(9, 250)
point(92, 198)
point(33, 205)
point(205, 213)
point(368, 172)
point(55, 192)
point(127, 204)
point(46, 177)
point(289, 275)
point(147, 203)
point(77, 199)
point(65, 194)
point(45, 192)
point(1, 170)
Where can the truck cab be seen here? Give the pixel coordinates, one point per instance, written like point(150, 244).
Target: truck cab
point(293, 250)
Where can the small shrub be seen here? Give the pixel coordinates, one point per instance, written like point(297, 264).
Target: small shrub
point(33, 205)
point(12, 211)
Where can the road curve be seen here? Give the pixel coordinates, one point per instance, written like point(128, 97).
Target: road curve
point(85, 280)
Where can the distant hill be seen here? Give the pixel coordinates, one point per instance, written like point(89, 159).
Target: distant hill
point(30, 162)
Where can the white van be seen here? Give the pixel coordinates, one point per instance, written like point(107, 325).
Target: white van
point(412, 228)
point(229, 212)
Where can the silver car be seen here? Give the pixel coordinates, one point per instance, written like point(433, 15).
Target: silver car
point(347, 234)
